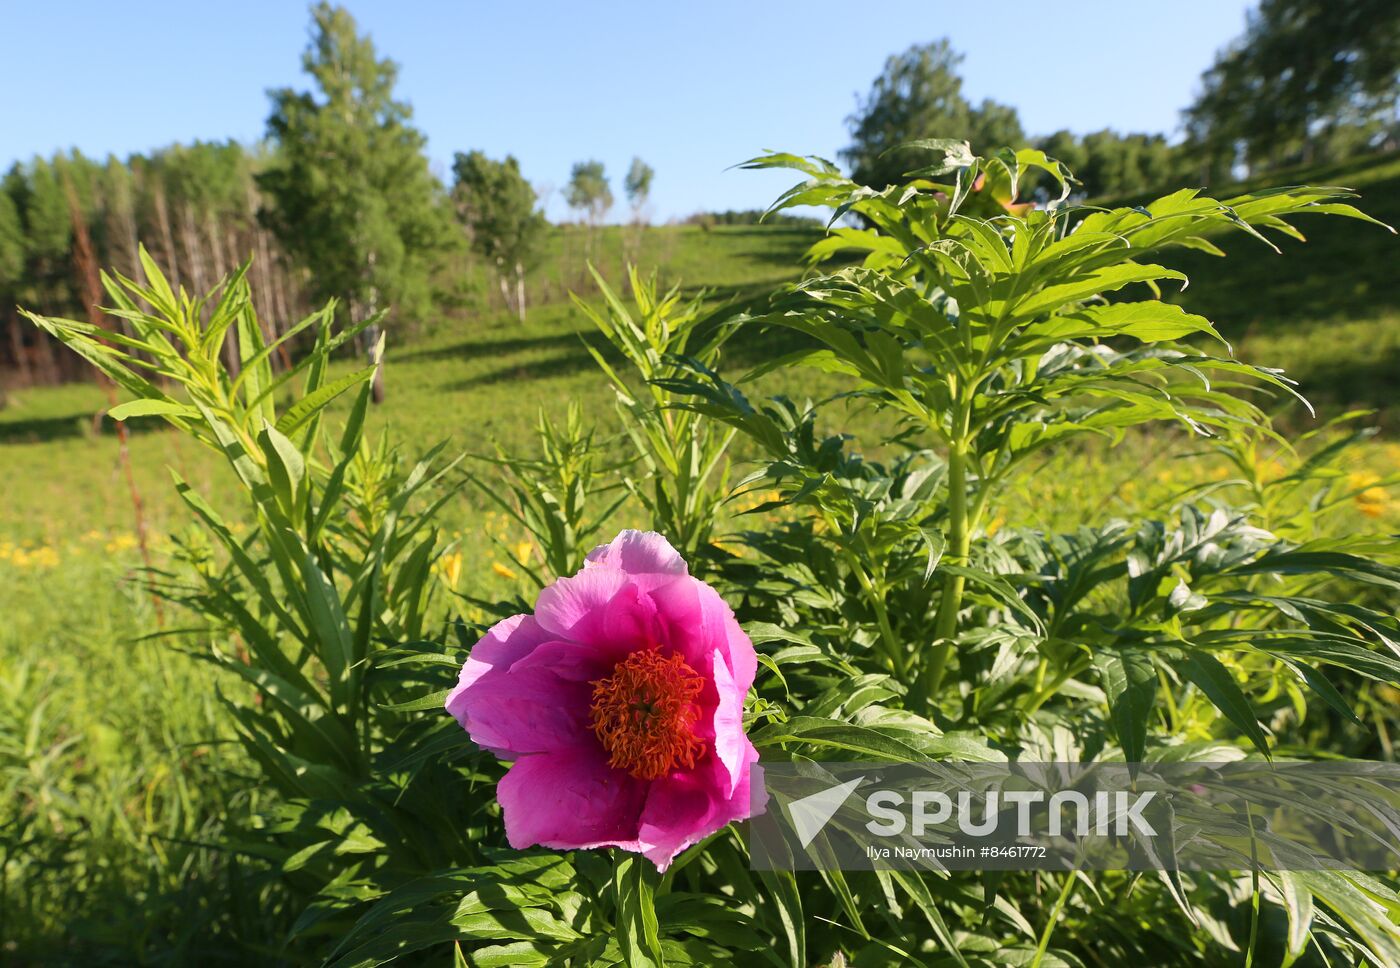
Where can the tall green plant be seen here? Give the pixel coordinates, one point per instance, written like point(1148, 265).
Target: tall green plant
point(303, 607)
point(351, 195)
point(682, 454)
point(893, 621)
point(989, 331)
point(555, 496)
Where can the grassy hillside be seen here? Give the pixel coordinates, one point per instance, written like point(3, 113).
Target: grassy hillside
point(472, 375)
point(1328, 310)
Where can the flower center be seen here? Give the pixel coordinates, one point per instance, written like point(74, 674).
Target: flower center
point(644, 714)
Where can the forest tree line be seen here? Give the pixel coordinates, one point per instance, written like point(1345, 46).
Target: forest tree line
point(1307, 82)
point(195, 208)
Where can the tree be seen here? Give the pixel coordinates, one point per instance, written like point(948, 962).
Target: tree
point(1310, 80)
point(351, 195)
point(497, 208)
point(1111, 165)
point(588, 191)
point(919, 95)
point(589, 194)
point(638, 187)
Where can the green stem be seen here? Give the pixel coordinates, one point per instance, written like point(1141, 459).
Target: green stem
point(959, 536)
point(1060, 902)
point(882, 617)
point(1043, 691)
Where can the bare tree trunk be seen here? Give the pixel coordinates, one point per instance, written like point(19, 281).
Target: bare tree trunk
point(167, 236)
point(273, 315)
point(281, 308)
point(222, 267)
point(376, 392)
point(520, 291)
point(194, 258)
point(52, 373)
point(503, 284)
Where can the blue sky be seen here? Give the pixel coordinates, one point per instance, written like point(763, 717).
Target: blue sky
point(691, 87)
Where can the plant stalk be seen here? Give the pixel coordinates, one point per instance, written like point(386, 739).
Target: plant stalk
point(959, 537)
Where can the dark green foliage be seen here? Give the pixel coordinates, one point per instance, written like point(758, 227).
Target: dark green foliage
point(752, 216)
point(1109, 164)
point(919, 95)
point(12, 244)
point(352, 197)
point(496, 207)
point(1310, 81)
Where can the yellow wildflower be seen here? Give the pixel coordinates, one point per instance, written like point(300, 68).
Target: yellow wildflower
point(450, 568)
point(1372, 502)
point(522, 551)
point(730, 545)
point(503, 571)
point(1371, 499)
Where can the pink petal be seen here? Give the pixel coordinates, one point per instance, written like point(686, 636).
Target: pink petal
point(731, 745)
point(600, 607)
point(507, 641)
point(540, 703)
point(570, 800)
point(697, 622)
point(685, 808)
point(639, 553)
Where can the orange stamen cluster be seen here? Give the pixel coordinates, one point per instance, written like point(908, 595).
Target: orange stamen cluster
point(644, 714)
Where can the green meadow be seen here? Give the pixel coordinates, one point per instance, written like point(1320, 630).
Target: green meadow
point(109, 723)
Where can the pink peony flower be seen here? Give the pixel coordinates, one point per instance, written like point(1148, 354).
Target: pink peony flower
point(621, 702)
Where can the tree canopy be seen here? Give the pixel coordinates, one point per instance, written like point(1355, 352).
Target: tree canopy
point(638, 186)
point(588, 190)
point(496, 207)
point(353, 199)
point(1309, 80)
point(919, 95)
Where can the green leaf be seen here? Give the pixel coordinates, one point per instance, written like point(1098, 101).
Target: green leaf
point(151, 408)
point(309, 406)
point(285, 465)
point(1130, 682)
point(1213, 679)
point(784, 905)
point(832, 734)
point(638, 932)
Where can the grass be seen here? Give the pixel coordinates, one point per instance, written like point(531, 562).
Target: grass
point(114, 740)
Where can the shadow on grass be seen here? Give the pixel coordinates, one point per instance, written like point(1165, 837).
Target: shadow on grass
point(483, 347)
point(82, 423)
point(561, 365)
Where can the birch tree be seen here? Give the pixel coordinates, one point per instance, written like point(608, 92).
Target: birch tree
point(351, 195)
